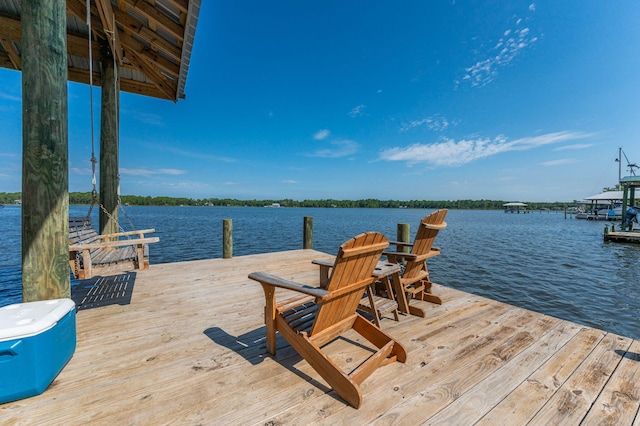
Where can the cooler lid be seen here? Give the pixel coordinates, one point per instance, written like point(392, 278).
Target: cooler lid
point(27, 319)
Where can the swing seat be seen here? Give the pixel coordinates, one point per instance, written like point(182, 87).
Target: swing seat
point(93, 254)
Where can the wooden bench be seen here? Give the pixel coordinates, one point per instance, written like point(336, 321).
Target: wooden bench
point(91, 254)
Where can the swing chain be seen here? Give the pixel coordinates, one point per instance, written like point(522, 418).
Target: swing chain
point(76, 271)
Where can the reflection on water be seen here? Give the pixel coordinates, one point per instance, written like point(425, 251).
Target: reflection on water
point(539, 261)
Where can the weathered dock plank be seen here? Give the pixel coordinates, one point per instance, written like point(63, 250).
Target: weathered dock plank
point(189, 349)
point(622, 236)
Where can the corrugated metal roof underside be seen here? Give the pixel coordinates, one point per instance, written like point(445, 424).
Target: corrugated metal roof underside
point(156, 39)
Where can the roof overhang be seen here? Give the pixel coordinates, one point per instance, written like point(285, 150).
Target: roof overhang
point(606, 196)
point(150, 41)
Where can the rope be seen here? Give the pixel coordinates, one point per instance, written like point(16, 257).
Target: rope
point(94, 192)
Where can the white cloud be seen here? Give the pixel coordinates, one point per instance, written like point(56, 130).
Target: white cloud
point(289, 181)
point(150, 172)
point(574, 146)
point(190, 154)
point(553, 163)
point(532, 7)
point(435, 123)
point(342, 148)
point(80, 171)
point(455, 153)
point(321, 134)
point(8, 97)
point(357, 111)
point(146, 117)
point(508, 47)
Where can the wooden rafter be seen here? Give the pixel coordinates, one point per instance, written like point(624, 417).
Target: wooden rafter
point(140, 56)
point(5, 62)
point(12, 52)
point(145, 36)
point(154, 15)
point(133, 26)
point(10, 28)
point(160, 82)
point(108, 19)
point(183, 5)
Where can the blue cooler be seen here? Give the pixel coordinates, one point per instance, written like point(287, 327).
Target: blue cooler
point(37, 339)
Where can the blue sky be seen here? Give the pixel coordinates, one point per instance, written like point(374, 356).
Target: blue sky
point(437, 100)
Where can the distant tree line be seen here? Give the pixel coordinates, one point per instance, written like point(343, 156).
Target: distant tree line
point(84, 198)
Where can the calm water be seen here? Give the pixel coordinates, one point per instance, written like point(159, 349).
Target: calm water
point(540, 261)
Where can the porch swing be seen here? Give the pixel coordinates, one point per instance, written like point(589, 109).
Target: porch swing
point(91, 253)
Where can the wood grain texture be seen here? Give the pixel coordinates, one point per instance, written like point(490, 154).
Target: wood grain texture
point(190, 349)
point(45, 168)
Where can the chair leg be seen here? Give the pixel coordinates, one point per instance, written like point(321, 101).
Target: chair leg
point(322, 364)
point(379, 338)
point(372, 303)
point(270, 317)
point(427, 295)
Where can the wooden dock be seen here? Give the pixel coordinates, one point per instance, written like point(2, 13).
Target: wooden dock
point(189, 349)
point(622, 236)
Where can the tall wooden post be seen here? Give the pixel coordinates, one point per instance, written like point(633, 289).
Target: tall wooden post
point(109, 132)
point(227, 239)
point(403, 234)
point(45, 161)
point(307, 232)
point(625, 200)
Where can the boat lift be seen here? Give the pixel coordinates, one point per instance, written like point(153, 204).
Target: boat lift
point(629, 184)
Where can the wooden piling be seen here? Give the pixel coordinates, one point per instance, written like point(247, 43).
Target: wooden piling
point(227, 239)
point(404, 234)
point(307, 232)
point(45, 158)
point(109, 132)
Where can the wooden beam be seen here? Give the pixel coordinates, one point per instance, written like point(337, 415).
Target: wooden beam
point(160, 18)
point(141, 88)
point(5, 61)
point(183, 5)
point(45, 164)
point(78, 8)
point(79, 46)
point(159, 59)
point(11, 50)
point(133, 45)
point(10, 28)
point(158, 79)
point(108, 19)
point(128, 42)
point(133, 26)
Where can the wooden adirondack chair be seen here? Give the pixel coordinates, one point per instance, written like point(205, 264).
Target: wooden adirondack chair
point(414, 282)
point(91, 253)
point(309, 323)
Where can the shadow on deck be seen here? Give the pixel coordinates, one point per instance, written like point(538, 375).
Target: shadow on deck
point(189, 349)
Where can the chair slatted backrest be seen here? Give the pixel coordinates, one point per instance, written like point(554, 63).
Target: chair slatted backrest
point(82, 232)
point(351, 273)
point(425, 237)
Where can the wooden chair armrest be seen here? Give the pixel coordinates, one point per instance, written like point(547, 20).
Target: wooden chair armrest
point(400, 254)
point(323, 262)
point(127, 233)
point(400, 244)
point(112, 244)
point(325, 267)
point(274, 281)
